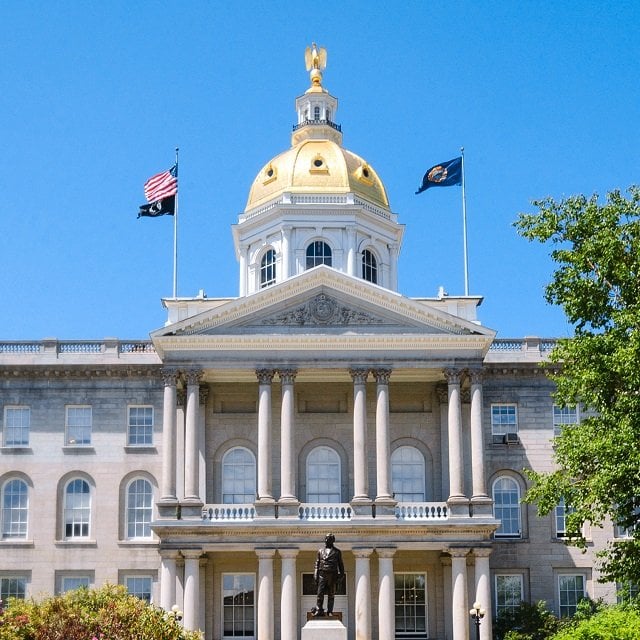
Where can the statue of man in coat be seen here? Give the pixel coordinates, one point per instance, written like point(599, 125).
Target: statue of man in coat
point(328, 574)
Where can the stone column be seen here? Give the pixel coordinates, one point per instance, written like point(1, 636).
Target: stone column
point(457, 500)
point(169, 418)
point(480, 499)
point(285, 251)
point(265, 594)
point(445, 561)
point(383, 447)
point(288, 596)
point(393, 268)
point(191, 588)
point(459, 608)
point(243, 269)
point(483, 589)
point(386, 595)
point(191, 450)
point(168, 579)
point(360, 479)
point(265, 377)
point(202, 442)
point(363, 594)
point(287, 439)
point(351, 252)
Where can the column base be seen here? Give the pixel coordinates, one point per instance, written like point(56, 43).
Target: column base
point(481, 506)
point(168, 507)
point(385, 507)
point(361, 507)
point(289, 508)
point(265, 508)
point(458, 506)
point(191, 508)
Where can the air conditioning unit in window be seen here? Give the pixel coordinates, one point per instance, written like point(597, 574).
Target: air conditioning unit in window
point(510, 438)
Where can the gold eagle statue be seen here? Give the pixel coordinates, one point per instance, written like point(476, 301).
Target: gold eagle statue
point(315, 57)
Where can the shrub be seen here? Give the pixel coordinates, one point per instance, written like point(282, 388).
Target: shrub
point(526, 622)
point(611, 623)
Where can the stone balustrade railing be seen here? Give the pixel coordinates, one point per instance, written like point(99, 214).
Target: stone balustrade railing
point(76, 347)
point(422, 511)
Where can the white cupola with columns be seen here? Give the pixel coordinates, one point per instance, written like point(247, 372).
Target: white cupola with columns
point(317, 203)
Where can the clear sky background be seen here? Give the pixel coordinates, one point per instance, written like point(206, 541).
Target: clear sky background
point(95, 96)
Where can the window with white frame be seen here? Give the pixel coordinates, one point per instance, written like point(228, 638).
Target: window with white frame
point(78, 425)
point(571, 589)
point(139, 586)
point(506, 507)
point(77, 509)
point(408, 474)
point(563, 416)
point(71, 583)
point(15, 509)
point(318, 252)
point(508, 593)
point(411, 605)
point(140, 426)
point(626, 592)
point(369, 267)
point(323, 476)
point(268, 268)
point(12, 587)
point(504, 419)
point(238, 608)
point(238, 476)
point(561, 513)
point(139, 508)
point(17, 423)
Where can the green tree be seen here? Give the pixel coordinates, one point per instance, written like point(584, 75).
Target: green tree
point(526, 622)
point(611, 623)
point(596, 247)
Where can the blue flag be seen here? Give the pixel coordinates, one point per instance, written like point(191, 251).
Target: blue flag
point(445, 174)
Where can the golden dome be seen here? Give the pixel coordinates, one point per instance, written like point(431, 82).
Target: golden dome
point(317, 166)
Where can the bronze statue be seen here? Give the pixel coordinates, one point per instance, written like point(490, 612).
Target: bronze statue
point(328, 574)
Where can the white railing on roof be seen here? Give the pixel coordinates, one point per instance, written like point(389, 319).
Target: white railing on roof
point(228, 512)
point(54, 346)
point(422, 511)
point(317, 512)
point(20, 347)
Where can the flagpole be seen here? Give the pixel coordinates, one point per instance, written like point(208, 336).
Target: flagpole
point(464, 229)
point(175, 238)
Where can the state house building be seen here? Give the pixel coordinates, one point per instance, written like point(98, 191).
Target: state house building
point(203, 467)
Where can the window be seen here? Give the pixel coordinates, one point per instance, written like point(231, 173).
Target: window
point(318, 252)
point(316, 113)
point(17, 421)
point(323, 476)
point(626, 591)
point(13, 587)
point(77, 509)
point(238, 610)
point(561, 513)
point(238, 476)
point(369, 267)
point(570, 591)
point(563, 416)
point(504, 419)
point(408, 475)
point(139, 508)
point(411, 605)
point(78, 427)
point(268, 269)
point(15, 509)
point(70, 583)
point(508, 593)
point(506, 499)
point(139, 586)
point(140, 429)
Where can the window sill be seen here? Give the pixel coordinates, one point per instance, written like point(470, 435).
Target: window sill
point(76, 543)
point(139, 543)
point(137, 448)
point(509, 539)
point(16, 542)
point(16, 449)
point(78, 449)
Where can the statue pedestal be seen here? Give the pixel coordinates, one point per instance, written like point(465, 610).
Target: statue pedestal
point(324, 629)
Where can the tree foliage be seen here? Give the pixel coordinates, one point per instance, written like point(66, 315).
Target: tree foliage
point(611, 623)
point(108, 613)
point(596, 247)
point(526, 622)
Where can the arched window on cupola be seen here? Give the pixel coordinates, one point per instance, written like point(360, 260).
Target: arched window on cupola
point(318, 252)
point(316, 113)
point(369, 267)
point(268, 269)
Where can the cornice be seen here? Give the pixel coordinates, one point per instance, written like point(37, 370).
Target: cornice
point(47, 371)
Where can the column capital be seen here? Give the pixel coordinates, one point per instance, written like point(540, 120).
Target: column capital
point(362, 552)
point(265, 554)
point(191, 554)
point(170, 376)
point(381, 375)
point(476, 376)
point(453, 376)
point(193, 376)
point(265, 376)
point(359, 376)
point(288, 553)
point(386, 552)
point(458, 552)
point(482, 552)
point(169, 554)
point(287, 376)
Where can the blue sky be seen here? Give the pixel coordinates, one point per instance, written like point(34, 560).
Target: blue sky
point(544, 97)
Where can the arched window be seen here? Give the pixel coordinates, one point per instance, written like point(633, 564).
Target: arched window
point(506, 507)
point(369, 267)
point(408, 475)
point(77, 509)
point(323, 476)
point(238, 476)
point(139, 508)
point(15, 508)
point(318, 252)
point(268, 268)
point(316, 113)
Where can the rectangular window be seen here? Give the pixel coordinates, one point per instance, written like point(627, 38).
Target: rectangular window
point(238, 610)
point(17, 422)
point(571, 589)
point(563, 416)
point(78, 426)
point(12, 587)
point(626, 591)
point(504, 419)
point(561, 513)
point(139, 586)
point(140, 430)
point(411, 605)
point(508, 593)
point(69, 583)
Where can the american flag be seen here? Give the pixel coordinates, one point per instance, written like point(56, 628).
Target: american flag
point(162, 185)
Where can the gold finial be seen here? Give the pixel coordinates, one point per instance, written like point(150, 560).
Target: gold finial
point(316, 60)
